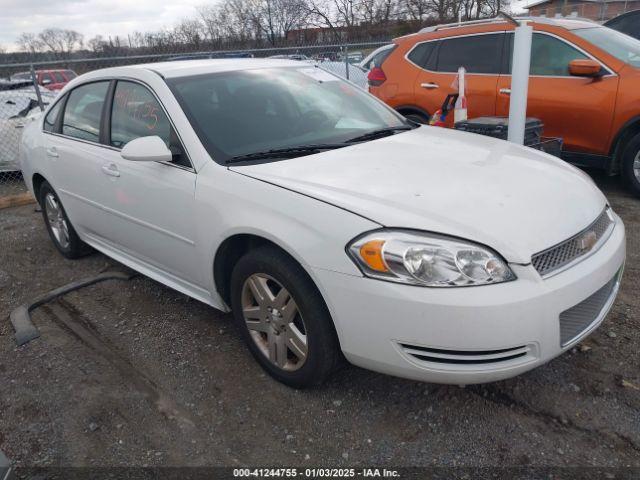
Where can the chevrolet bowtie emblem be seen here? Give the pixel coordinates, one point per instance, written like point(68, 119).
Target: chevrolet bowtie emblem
point(587, 240)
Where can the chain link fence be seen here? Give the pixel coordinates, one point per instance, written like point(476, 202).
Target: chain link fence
point(27, 88)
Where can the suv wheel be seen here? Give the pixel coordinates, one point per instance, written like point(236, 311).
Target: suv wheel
point(631, 164)
point(416, 117)
point(60, 230)
point(283, 318)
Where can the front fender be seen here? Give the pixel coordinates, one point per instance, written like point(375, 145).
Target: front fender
point(313, 232)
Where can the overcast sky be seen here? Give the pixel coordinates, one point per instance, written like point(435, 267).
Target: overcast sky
point(96, 17)
point(90, 17)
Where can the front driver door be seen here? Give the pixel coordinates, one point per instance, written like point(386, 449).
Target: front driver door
point(151, 203)
point(577, 109)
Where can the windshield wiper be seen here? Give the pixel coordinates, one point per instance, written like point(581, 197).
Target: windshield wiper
point(383, 132)
point(288, 152)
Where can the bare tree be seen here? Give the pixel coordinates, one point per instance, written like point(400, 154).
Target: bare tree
point(29, 42)
point(60, 42)
point(97, 44)
point(190, 31)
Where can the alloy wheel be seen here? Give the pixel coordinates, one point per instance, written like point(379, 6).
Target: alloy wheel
point(636, 166)
point(274, 322)
point(57, 221)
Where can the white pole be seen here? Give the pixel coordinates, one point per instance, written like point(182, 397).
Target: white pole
point(519, 82)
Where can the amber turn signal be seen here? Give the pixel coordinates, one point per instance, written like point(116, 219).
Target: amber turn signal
point(371, 254)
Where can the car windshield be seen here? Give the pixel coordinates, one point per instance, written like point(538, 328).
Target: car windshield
point(243, 112)
point(621, 46)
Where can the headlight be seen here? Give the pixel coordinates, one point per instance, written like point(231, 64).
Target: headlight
point(425, 259)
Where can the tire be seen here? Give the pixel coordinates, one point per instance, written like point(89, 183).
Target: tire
point(416, 117)
point(292, 334)
point(60, 229)
point(631, 156)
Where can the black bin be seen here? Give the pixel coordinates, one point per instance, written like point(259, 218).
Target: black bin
point(498, 127)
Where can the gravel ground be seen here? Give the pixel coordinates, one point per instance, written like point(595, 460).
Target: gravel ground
point(133, 373)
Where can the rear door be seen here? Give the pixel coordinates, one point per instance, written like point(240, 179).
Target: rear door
point(73, 149)
point(480, 54)
point(578, 109)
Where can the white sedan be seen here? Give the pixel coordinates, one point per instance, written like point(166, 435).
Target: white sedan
point(326, 222)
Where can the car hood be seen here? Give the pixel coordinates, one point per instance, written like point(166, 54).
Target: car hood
point(515, 200)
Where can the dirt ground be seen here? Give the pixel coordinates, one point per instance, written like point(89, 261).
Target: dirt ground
point(133, 373)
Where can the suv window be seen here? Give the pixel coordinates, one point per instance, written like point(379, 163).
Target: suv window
point(52, 117)
point(136, 113)
point(378, 58)
point(83, 111)
point(476, 53)
point(550, 56)
point(422, 55)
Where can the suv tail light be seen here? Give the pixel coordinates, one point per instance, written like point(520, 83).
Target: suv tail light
point(376, 77)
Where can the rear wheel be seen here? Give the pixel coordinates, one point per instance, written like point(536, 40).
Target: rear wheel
point(416, 117)
point(631, 164)
point(60, 230)
point(283, 318)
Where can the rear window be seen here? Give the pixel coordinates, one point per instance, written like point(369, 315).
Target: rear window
point(379, 58)
point(422, 55)
point(70, 74)
point(477, 54)
point(52, 117)
point(83, 111)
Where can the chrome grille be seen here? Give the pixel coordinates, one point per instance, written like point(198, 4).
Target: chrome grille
point(578, 319)
point(554, 258)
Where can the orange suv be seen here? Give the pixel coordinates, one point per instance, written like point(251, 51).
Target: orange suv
point(584, 83)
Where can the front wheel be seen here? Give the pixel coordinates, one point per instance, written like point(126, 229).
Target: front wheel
point(283, 318)
point(631, 164)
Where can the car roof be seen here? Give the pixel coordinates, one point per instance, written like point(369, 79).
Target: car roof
point(476, 26)
point(187, 68)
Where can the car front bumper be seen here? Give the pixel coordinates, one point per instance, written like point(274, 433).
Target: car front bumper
point(471, 334)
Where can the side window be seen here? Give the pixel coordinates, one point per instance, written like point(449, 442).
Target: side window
point(136, 113)
point(52, 117)
point(46, 77)
point(550, 56)
point(422, 55)
point(83, 111)
point(378, 58)
point(478, 54)
point(58, 77)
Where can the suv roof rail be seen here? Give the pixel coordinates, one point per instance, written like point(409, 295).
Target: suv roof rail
point(442, 26)
point(501, 18)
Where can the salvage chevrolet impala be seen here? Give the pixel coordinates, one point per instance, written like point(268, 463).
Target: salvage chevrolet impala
point(331, 226)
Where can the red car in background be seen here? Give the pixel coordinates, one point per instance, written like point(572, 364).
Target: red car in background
point(50, 79)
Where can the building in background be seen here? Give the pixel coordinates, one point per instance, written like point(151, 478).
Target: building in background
point(598, 10)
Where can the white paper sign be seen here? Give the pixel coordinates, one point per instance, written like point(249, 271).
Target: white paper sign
point(318, 74)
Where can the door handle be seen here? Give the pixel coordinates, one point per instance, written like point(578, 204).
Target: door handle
point(505, 91)
point(111, 169)
point(19, 125)
point(429, 85)
point(52, 152)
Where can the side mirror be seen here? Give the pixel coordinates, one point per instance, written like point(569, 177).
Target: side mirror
point(585, 68)
point(146, 149)
point(47, 81)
